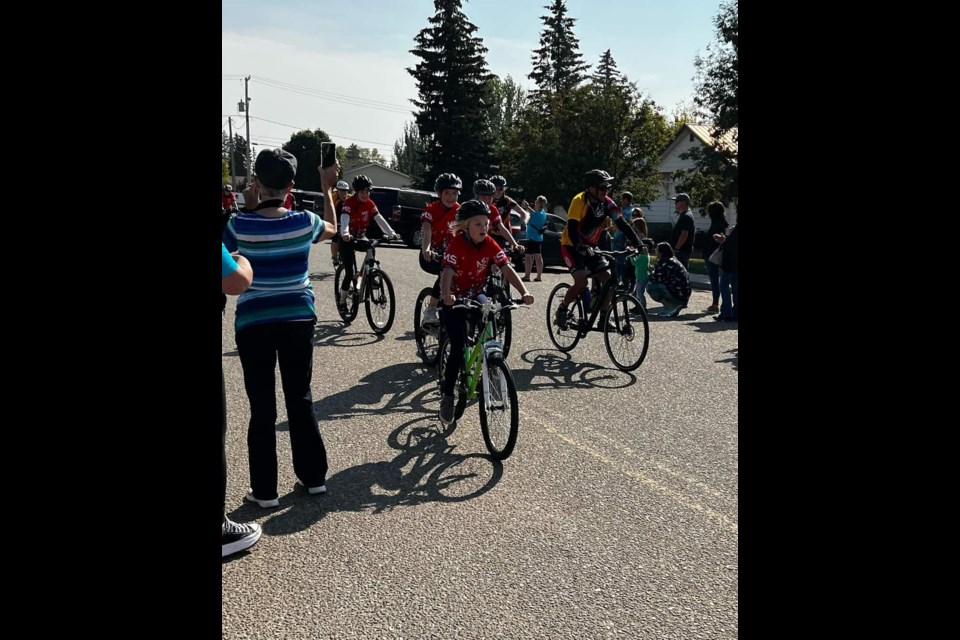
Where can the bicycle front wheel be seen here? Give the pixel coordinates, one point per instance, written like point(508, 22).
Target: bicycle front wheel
point(626, 333)
point(499, 410)
point(567, 336)
point(380, 302)
point(428, 343)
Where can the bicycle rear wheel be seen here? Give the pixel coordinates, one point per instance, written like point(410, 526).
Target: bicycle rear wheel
point(566, 337)
point(626, 333)
point(500, 419)
point(353, 300)
point(379, 301)
point(427, 338)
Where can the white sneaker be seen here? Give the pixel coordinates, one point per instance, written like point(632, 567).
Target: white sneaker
point(264, 504)
point(431, 315)
point(313, 490)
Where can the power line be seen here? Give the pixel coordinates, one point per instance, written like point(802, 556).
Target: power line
point(321, 93)
point(282, 124)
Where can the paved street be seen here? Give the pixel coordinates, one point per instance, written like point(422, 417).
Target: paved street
point(615, 517)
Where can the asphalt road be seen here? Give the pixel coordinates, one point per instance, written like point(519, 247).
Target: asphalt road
point(615, 517)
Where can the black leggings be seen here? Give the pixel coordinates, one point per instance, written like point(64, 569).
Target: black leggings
point(223, 442)
point(455, 324)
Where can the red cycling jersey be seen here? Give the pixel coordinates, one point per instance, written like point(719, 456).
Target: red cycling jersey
point(440, 219)
point(471, 263)
point(361, 213)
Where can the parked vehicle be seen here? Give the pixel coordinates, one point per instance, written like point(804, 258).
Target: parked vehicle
point(402, 208)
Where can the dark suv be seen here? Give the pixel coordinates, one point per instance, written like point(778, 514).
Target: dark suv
point(402, 209)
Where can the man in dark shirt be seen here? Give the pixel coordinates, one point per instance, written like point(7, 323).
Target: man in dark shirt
point(684, 231)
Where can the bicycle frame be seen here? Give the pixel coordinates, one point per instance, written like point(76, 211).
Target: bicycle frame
point(609, 288)
point(479, 348)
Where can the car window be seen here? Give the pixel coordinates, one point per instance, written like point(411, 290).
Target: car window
point(416, 199)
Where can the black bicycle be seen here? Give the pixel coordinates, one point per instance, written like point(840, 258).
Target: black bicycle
point(626, 333)
point(376, 289)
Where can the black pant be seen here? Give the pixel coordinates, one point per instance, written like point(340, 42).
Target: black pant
point(455, 324)
point(223, 442)
point(260, 348)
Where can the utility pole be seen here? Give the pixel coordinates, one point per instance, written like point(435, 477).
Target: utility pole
point(246, 95)
point(230, 151)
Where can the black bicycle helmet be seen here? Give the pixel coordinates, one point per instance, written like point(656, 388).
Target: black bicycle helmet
point(499, 181)
point(483, 188)
point(599, 178)
point(361, 182)
point(472, 208)
point(228, 187)
point(447, 181)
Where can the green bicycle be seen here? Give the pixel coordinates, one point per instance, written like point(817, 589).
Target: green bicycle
point(484, 366)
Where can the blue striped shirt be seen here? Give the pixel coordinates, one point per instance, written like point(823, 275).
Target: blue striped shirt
point(279, 253)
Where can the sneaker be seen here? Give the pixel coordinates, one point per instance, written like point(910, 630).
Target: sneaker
point(446, 410)
point(431, 315)
point(265, 504)
point(237, 537)
point(313, 490)
point(714, 308)
point(560, 319)
point(675, 311)
point(525, 279)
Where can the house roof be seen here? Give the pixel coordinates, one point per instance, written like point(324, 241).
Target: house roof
point(365, 165)
point(702, 132)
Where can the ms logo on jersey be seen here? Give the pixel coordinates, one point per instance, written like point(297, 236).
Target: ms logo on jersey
point(482, 264)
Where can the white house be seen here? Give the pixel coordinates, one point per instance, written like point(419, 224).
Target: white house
point(690, 135)
point(380, 175)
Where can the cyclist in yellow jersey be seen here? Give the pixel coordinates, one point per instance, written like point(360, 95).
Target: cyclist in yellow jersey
point(586, 220)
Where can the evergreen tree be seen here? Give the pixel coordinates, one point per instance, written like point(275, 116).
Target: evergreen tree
point(558, 65)
point(452, 112)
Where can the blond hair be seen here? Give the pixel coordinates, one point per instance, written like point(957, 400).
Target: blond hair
point(540, 199)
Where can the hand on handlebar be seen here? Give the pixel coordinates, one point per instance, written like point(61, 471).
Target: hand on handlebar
point(585, 250)
point(449, 299)
point(528, 299)
point(345, 236)
point(519, 248)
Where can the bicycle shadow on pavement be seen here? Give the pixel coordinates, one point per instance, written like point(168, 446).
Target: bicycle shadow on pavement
point(405, 386)
point(555, 370)
point(334, 333)
point(426, 469)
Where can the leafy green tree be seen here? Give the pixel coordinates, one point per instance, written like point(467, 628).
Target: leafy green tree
point(452, 113)
point(239, 152)
point(408, 151)
point(305, 145)
point(716, 171)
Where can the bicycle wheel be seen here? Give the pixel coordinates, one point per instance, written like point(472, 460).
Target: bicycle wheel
point(353, 299)
point(626, 333)
point(459, 387)
point(564, 338)
point(500, 420)
point(380, 302)
point(427, 338)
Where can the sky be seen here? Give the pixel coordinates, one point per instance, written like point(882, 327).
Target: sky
point(341, 67)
